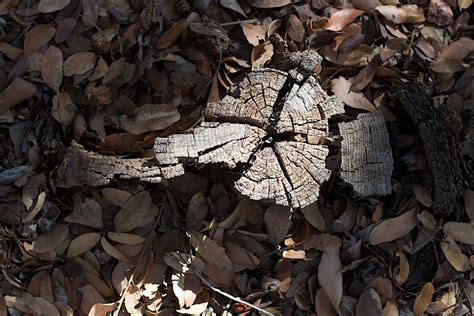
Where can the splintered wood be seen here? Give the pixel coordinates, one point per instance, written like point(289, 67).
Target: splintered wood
point(258, 128)
point(271, 128)
point(366, 154)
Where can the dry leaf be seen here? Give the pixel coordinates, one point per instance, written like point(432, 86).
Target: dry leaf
point(266, 4)
point(37, 37)
point(341, 19)
point(296, 28)
point(462, 232)
point(18, 91)
point(277, 222)
point(47, 308)
point(423, 299)
point(455, 256)
point(10, 51)
point(82, 243)
point(90, 297)
point(323, 305)
point(365, 76)
point(79, 63)
point(330, 276)
point(468, 204)
point(112, 251)
point(464, 4)
point(261, 54)
point(254, 33)
point(48, 6)
point(150, 117)
point(410, 13)
point(423, 195)
point(100, 309)
point(126, 239)
point(172, 34)
point(403, 269)
point(50, 240)
point(210, 251)
point(427, 219)
point(87, 213)
point(52, 67)
point(115, 196)
point(133, 213)
point(341, 88)
point(90, 12)
point(241, 256)
point(294, 254)
point(369, 304)
point(393, 228)
point(313, 215)
point(186, 288)
point(233, 5)
point(457, 50)
point(63, 109)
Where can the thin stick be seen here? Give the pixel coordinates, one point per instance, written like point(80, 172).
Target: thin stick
point(236, 299)
point(253, 21)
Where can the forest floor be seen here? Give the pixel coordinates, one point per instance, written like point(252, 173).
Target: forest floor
point(114, 75)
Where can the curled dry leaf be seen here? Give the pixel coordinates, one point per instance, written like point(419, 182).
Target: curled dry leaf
point(82, 243)
point(50, 240)
point(87, 213)
point(79, 63)
point(405, 14)
point(454, 255)
point(462, 232)
point(261, 54)
point(341, 19)
point(52, 67)
point(150, 117)
point(341, 88)
point(267, 4)
point(172, 34)
point(63, 109)
point(403, 269)
point(125, 238)
point(254, 33)
point(423, 299)
point(294, 254)
point(133, 213)
point(18, 91)
point(112, 251)
point(37, 37)
point(277, 222)
point(393, 228)
point(48, 6)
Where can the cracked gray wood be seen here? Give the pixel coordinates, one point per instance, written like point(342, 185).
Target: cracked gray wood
point(82, 167)
point(366, 154)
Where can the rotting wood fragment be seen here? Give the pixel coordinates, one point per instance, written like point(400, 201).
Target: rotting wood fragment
point(82, 167)
point(366, 154)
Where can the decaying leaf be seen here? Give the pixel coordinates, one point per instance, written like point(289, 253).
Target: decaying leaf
point(410, 13)
point(341, 19)
point(52, 67)
point(50, 240)
point(18, 91)
point(87, 213)
point(254, 33)
point(48, 6)
point(210, 251)
point(423, 299)
point(369, 304)
point(172, 34)
point(133, 212)
point(79, 63)
point(277, 222)
point(391, 229)
point(265, 4)
point(296, 29)
point(403, 269)
point(112, 251)
point(462, 232)
point(313, 215)
point(37, 37)
point(261, 54)
point(341, 88)
point(454, 255)
point(63, 109)
point(82, 243)
point(150, 117)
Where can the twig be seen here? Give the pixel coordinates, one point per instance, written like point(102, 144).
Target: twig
point(252, 21)
point(236, 299)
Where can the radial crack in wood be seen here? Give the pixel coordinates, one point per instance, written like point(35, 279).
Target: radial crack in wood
point(366, 155)
point(82, 167)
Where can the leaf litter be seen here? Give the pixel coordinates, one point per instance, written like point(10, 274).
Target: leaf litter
point(115, 75)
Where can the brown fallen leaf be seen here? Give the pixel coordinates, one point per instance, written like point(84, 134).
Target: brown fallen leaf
point(341, 88)
point(100, 309)
point(464, 4)
point(172, 34)
point(365, 76)
point(90, 297)
point(50, 240)
point(48, 6)
point(150, 117)
point(116, 196)
point(52, 67)
point(469, 204)
point(186, 288)
point(261, 54)
point(277, 222)
point(79, 63)
point(125, 238)
point(341, 19)
point(233, 5)
point(329, 270)
point(210, 251)
point(266, 4)
point(82, 243)
point(323, 305)
point(454, 255)
point(112, 251)
point(393, 228)
point(296, 28)
point(10, 51)
point(423, 195)
point(37, 37)
point(63, 109)
point(462, 232)
point(423, 299)
point(410, 13)
point(369, 304)
point(457, 50)
point(312, 214)
point(47, 307)
point(254, 33)
point(87, 213)
point(403, 269)
point(133, 213)
point(17, 91)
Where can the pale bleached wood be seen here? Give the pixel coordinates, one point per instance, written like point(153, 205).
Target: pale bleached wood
point(366, 154)
point(81, 167)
